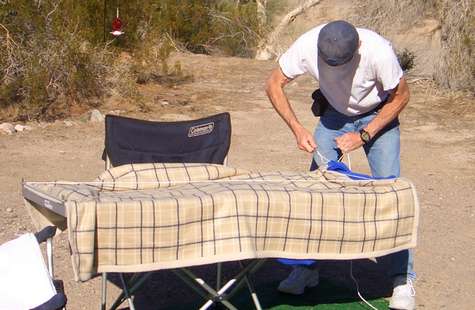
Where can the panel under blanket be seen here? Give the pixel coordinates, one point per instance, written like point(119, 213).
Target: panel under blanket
point(146, 217)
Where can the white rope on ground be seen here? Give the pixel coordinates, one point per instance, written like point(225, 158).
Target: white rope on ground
point(358, 288)
point(351, 262)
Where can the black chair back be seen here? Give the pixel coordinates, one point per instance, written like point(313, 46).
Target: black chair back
point(205, 140)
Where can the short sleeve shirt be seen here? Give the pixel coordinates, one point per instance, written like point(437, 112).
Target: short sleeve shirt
point(356, 87)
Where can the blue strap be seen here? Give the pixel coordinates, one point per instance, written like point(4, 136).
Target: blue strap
point(340, 167)
point(294, 262)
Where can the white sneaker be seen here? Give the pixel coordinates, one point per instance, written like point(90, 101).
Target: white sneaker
point(298, 280)
point(404, 295)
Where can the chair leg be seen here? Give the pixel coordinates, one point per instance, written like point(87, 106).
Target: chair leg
point(222, 294)
point(219, 296)
point(252, 291)
point(104, 291)
point(219, 268)
point(126, 292)
point(204, 290)
point(49, 232)
point(133, 285)
point(249, 269)
point(49, 254)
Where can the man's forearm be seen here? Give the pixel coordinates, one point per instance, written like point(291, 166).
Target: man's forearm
point(390, 110)
point(275, 91)
point(282, 106)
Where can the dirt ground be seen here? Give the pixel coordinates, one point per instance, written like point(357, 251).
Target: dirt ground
point(438, 155)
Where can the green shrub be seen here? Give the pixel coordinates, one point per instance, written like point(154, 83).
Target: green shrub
point(51, 68)
point(210, 26)
point(406, 59)
point(56, 55)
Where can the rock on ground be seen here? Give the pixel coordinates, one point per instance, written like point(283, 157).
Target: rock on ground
point(19, 127)
point(7, 128)
point(96, 116)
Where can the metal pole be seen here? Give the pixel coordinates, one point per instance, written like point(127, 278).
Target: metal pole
point(129, 297)
point(104, 22)
point(49, 254)
point(218, 275)
point(104, 291)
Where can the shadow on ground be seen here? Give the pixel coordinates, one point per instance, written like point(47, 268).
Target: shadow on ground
point(165, 291)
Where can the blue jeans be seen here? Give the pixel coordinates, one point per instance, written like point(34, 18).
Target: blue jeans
point(383, 157)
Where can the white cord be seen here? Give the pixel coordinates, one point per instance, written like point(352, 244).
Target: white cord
point(322, 158)
point(326, 160)
point(349, 160)
point(358, 288)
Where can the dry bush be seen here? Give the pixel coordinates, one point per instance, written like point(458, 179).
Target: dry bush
point(383, 15)
point(148, 63)
point(406, 59)
point(456, 67)
point(211, 27)
point(120, 78)
point(46, 80)
point(47, 68)
point(151, 62)
point(53, 59)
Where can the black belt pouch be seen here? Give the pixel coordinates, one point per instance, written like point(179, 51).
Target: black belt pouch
point(320, 103)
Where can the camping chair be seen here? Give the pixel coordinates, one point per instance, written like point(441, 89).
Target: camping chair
point(23, 272)
point(206, 140)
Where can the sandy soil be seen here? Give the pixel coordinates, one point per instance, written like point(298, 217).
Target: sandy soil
point(438, 155)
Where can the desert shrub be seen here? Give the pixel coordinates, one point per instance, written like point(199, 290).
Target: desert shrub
point(199, 26)
point(211, 26)
point(383, 15)
point(456, 67)
point(150, 63)
point(406, 59)
point(236, 30)
point(57, 56)
point(48, 66)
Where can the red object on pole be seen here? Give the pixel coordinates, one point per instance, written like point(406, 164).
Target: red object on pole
point(117, 24)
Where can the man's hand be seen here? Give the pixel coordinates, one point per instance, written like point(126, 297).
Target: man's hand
point(396, 103)
point(275, 91)
point(348, 142)
point(305, 140)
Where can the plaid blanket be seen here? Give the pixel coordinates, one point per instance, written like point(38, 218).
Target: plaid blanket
point(146, 217)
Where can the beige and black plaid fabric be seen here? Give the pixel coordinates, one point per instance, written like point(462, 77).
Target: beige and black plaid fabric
point(146, 217)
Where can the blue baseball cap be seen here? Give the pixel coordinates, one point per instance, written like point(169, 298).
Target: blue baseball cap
point(337, 42)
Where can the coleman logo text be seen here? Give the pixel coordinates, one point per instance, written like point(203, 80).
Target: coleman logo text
point(200, 130)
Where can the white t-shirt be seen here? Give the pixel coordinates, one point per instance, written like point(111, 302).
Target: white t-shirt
point(356, 87)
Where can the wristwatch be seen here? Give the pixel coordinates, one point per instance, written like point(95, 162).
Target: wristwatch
point(364, 135)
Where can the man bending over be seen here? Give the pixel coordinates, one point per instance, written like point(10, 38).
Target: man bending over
point(364, 90)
